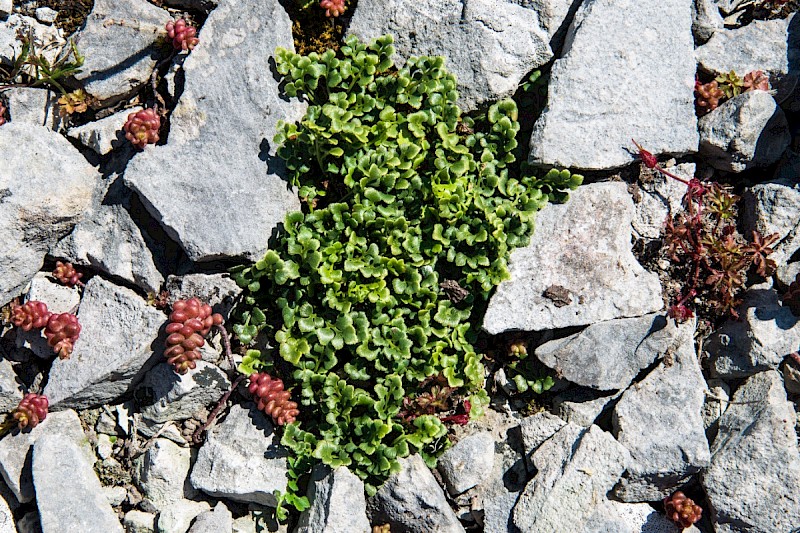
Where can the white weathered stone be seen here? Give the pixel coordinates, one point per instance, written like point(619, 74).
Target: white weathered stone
point(105, 134)
point(465, 464)
point(34, 106)
point(748, 131)
point(68, 494)
point(136, 521)
point(659, 421)
point(118, 41)
point(216, 186)
point(164, 395)
point(6, 7)
point(626, 69)
point(337, 503)
point(659, 197)
point(767, 45)
point(412, 501)
point(489, 46)
point(15, 450)
point(244, 442)
point(6, 518)
point(616, 517)
point(753, 483)
point(217, 290)
point(765, 334)
point(178, 516)
point(161, 473)
point(46, 15)
point(108, 239)
point(774, 207)
point(220, 520)
point(706, 20)
point(45, 190)
point(10, 388)
point(553, 17)
point(576, 249)
point(575, 470)
point(47, 40)
point(114, 351)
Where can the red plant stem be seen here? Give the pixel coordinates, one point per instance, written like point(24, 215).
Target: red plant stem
point(226, 344)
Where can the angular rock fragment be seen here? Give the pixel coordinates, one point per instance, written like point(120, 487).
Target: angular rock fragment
point(412, 501)
point(465, 464)
point(34, 106)
point(659, 421)
point(118, 344)
point(537, 428)
point(217, 290)
point(337, 503)
point(216, 187)
point(583, 406)
point(489, 46)
point(576, 468)
point(774, 207)
point(766, 333)
point(105, 134)
point(748, 131)
point(118, 42)
point(706, 20)
point(161, 473)
point(59, 299)
point(68, 494)
point(753, 483)
point(244, 442)
point(613, 82)
point(575, 248)
point(617, 517)
point(659, 197)
point(164, 395)
point(10, 389)
point(220, 520)
point(44, 191)
point(178, 516)
point(47, 40)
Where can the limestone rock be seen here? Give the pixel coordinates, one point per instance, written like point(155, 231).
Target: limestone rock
point(220, 142)
point(105, 134)
point(575, 249)
point(118, 344)
point(625, 70)
point(178, 516)
point(161, 473)
point(465, 464)
point(59, 299)
point(337, 503)
point(706, 20)
point(47, 40)
point(774, 207)
point(659, 197)
point(220, 520)
point(164, 395)
point(217, 290)
point(583, 406)
point(44, 191)
point(34, 106)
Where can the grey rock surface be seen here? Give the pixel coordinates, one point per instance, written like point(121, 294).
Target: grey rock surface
point(489, 46)
point(583, 406)
point(139, 522)
point(164, 395)
point(413, 502)
point(220, 144)
point(659, 421)
point(6, 518)
point(48, 39)
point(748, 131)
point(706, 20)
point(217, 290)
point(753, 483)
point(220, 520)
point(608, 355)
point(465, 464)
point(774, 207)
point(553, 17)
point(45, 190)
point(575, 470)
point(617, 517)
point(337, 503)
point(178, 516)
point(59, 299)
point(659, 196)
point(118, 41)
point(105, 134)
point(500, 490)
point(15, 450)
point(118, 344)
point(613, 82)
point(10, 389)
point(108, 239)
point(244, 442)
point(765, 335)
point(537, 428)
point(161, 473)
point(34, 106)
point(5, 7)
point(772, 46)
point(58, 464)
point(715, 405)
point(46, 15)
point(575, 249)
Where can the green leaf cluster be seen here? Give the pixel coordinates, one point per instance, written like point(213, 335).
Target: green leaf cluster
point(402, 192)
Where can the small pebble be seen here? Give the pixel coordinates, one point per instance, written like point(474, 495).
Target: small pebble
point(45, 15)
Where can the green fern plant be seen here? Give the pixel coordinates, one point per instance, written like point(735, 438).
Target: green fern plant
point(401, 193)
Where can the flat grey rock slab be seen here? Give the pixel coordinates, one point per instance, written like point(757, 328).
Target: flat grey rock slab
point(489, 46)
point(659, 420)
point(109, 240)
point(216, 187)
point(5, 7)
point(33, 106)
point(217, 290)
point(575, 249)
point(105, 134)
point(575, 470)
point(658, 198)
point(178, 517)
point(583, 406)
point(118, 344)
point(161, 473)
point(69, 495)
point(119, 57)
point(15, 450)
point(6, 518)
point(774, 207)
point(498, 493)
point(465, 464)
point(765, 334)
point(748, 131)
point(412, 501)
point(537, 428)
point(220, 520)
point(139, 522)
point(337, 501)
point(10, 388)
point(164, 395)
point(244, 442)
point(753, 483)
point(772, 46)
point(608, 355)
point(625, 70)
point(706, 20)
point(45, 191)
point(617, 517)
